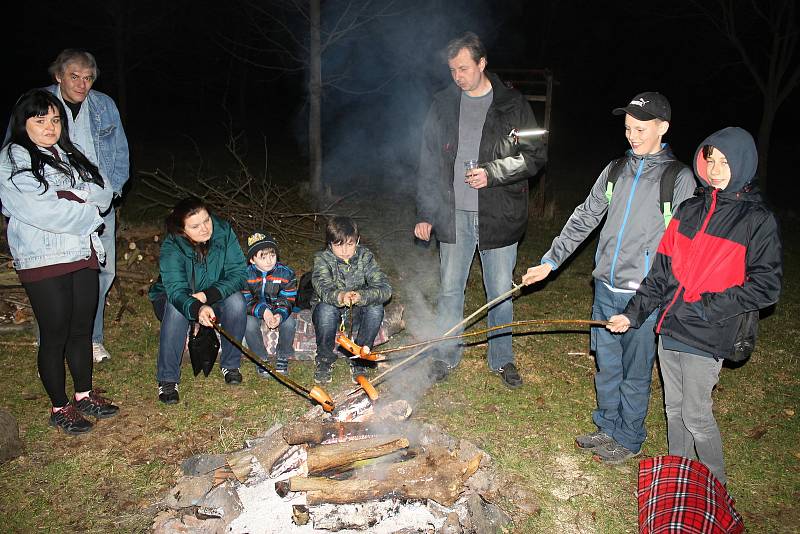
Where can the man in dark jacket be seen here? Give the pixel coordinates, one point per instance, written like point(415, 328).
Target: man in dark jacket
point(483, 204)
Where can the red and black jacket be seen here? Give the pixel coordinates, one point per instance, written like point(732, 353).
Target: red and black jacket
point(719, 258)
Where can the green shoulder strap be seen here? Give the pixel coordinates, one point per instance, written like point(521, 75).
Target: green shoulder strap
point(667, 189)
point(615, 169)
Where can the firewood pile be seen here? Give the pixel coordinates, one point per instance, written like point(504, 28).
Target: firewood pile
point(249, 200)
point(365, 467)
point(15, 310)
point(137, 268)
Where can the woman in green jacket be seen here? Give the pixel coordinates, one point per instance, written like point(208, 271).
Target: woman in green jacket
point(202, 270)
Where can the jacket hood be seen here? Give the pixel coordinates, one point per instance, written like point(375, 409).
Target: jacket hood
point(739, 149)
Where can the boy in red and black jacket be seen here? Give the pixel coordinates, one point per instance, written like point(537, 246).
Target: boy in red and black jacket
point(719, 259)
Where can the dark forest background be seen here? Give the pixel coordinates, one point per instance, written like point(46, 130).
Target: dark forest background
point(184, 69)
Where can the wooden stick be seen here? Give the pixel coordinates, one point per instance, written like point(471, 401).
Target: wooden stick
point(382, 376)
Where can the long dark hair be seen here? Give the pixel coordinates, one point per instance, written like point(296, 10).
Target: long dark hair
point(36, 103)
point(176, 221)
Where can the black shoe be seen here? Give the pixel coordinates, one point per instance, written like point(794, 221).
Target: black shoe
point(96, 405)
point(357, 370)
point(168, 392)
point(439, 370)
point(510, 375)
point(232, 376)
point(323, 374)
point(70, 420)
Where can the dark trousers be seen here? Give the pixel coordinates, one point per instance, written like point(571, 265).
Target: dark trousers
point(285, 348)
point(175, 327)
point(326, 319)
point(64, 307)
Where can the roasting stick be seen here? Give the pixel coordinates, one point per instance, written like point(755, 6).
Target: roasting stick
point(316, 393)
point(375, 355)
point(380, 378)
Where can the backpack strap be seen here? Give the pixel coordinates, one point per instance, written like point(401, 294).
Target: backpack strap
point(614, 170)
point(667, 189)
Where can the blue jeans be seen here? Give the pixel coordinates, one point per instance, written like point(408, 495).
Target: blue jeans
point(255, 339)
point(692, 430)
point(107, 272)
point(175, 327)
point(624, 370)
point(326, 319)
point(497, 267)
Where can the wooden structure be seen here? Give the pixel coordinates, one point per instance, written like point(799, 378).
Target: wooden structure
point(537, 86)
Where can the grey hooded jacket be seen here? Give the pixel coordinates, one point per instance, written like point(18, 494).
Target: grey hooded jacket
point(634, 222)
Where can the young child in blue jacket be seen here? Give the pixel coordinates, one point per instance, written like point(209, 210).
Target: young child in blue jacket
point(270, 295)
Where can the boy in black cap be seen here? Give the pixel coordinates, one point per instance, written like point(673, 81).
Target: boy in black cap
point(629, 194)
point(270, 295)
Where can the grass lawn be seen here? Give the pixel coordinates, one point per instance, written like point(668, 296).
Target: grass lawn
point(111, 479)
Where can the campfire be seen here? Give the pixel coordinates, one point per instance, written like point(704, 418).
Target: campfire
point(363, 466)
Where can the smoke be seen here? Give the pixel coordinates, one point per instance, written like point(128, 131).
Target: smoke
point(380, 84)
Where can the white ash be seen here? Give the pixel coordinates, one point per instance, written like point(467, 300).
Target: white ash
point(265, 512)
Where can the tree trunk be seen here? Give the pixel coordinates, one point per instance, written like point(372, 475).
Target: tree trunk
point(764, 135)
point(315, 104)
point(118, 16)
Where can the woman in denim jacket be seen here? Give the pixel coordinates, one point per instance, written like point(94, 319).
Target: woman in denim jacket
point(53, 196)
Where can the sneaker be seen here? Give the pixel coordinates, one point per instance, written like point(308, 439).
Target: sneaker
point(593, 440)
point(282, 366)
point(232, 376)
point(263, 373)
point(99, 353)
point(323, 374)
point(168, 392)
point(439, 371)
point(70, 420)
point(510, 375)
point(96, 405)
point(613, 453)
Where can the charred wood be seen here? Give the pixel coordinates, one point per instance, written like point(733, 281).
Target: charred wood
point(324, 457)
point(435, 474)
point(317, 432)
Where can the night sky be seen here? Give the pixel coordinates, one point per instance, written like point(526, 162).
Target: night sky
point(179, 70)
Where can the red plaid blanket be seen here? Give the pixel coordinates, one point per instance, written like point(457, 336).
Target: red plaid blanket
point(678, 495)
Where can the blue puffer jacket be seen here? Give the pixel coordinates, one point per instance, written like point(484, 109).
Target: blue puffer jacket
point(44, 229)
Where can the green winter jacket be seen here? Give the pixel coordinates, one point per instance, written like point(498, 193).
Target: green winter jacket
point(361, 273)
point(222, 274)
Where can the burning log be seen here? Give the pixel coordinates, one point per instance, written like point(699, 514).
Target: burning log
point(315, 432)
point(266, 452)
point(435, 474)
point(324, 457)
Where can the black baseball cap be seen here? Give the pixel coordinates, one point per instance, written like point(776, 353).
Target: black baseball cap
point(646, 107)
point(259, 241)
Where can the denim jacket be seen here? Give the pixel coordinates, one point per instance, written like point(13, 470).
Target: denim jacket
point(44, 229)
point(110, 143)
